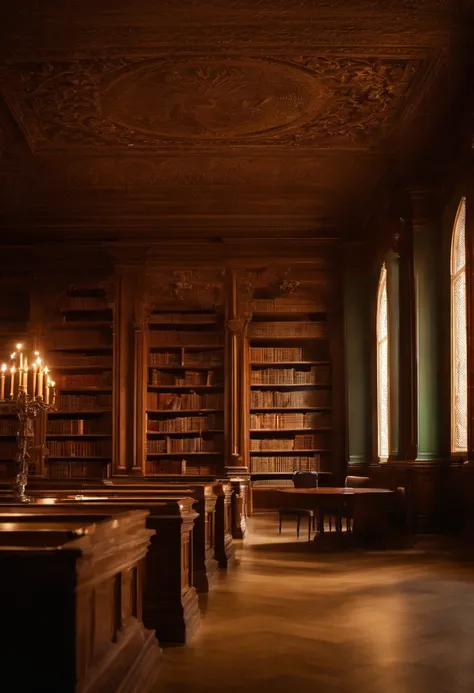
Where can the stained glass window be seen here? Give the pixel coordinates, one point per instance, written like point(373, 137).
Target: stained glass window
point(459, 333)
point(382, 368)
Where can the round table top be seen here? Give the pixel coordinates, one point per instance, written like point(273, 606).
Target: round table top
point(336, 491)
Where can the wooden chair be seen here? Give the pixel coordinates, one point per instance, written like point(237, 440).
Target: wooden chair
point(301, 480)
point(346, 511)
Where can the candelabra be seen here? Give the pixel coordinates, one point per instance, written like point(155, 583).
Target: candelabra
point(27, 399)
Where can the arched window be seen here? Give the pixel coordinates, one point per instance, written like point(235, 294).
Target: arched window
point(383, 396)
point(459, 333)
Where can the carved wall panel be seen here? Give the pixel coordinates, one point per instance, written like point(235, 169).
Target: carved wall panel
point(180, 288)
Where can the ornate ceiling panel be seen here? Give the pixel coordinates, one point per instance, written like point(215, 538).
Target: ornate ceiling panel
point(229, 112)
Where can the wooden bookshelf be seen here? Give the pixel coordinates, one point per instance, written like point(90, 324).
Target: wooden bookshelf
point(80, 348)
point(14, 318)
point(290, 398)
point(185, 393)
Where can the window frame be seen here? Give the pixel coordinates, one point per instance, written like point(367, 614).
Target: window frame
point(454, 275)
point(383, 287)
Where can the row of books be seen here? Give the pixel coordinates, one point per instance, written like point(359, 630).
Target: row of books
point(265, 465)
point(272, 482)
point(316, 375)
point(84, 380)
point(76, 469)
point(281, 354)
point(185, 337)
point(191, 358)
point(74, 426)
point(184, 318)
point(183, 424)
point(169, 401)
point(75, 448)
point(188, 378)
point(297, 442)
point(286, 305)
point(82, 360)
point(72, 403)
point(8, 427)
point(8, 450)
point(193, 444)
point(95, 339)
point(290, 398)
point(288, 420)
point(84, 303)
point(173, 466)
point(318, 330)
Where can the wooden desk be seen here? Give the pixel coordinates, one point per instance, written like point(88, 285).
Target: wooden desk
point(72, 588)
point(368, 506)
point(170, 601)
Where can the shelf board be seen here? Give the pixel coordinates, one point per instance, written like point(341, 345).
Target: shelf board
point(52, 436)
point(283, 409)
point(185, 387)
point(8, 435)
point(181, 454)
point(78, 367)
point(77, 412)
point(292, 338)
point(183, 411)
point(185, 367)
point(155, 320)
point(270, 364)
point(79, 324)
point(77, 458)
point(289, 430)
point(85, 389)
point(282, 453)
point(272, 473)
point(289, 385)
point(82, 347)
point(182, 433)
point(189, 347)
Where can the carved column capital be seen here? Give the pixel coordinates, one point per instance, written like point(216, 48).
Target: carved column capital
point(237, 325)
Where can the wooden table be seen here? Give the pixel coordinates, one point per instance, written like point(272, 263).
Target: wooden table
point(368, 506)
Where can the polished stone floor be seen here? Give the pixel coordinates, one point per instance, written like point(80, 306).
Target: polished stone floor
point(287, 619)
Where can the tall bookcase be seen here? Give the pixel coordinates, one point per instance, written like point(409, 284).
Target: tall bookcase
point(185, 393)
point(14, 318)
point(290, 390)
point(80, 349)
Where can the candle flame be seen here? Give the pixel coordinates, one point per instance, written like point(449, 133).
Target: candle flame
point(38, 360)
point(12, 369)
point(12, 356)
point(37, 353)
point(53, 383)
point(18, 346)
point(46, 369)
point(4, 367)
point(34, 365)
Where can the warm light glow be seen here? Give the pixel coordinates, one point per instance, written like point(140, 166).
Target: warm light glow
point(19, 347)
point(46, 369)
point(37, 353)
point(38, 360)
point(13, 369)
point(383, 397)
point(52, 383)
point(12, 356)
point(4, 367)
point(459, 375)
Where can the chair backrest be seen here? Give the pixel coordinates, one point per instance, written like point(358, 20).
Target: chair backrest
point(356, 481)
point(305, 479)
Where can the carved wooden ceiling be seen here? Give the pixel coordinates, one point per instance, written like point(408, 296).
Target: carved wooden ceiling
point(225, 116)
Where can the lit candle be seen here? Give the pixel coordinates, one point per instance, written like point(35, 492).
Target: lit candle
point(19, 347)
point(12, 385)
point(25, 379)
point(53, 399)
point(40, 378)
point(35, 368)
point(2, 381)
point(48, 383)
